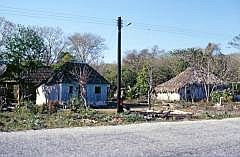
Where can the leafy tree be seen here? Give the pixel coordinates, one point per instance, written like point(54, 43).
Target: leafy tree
point(24, 51)
point(140, 72)
point(142, 85)
point(62, 59)
point(128, 77)
point(178, 66)
point(109, 71)
point(190, 56)
point(162, 74)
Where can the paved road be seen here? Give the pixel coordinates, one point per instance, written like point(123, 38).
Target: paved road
point(212, 138)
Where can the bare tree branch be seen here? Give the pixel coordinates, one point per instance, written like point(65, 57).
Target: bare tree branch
point(82, 72)
point(55, 43)
point(87, 47)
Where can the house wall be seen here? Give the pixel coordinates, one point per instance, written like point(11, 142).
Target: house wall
point(52, 94)
point(192, 92)
point(94, 98)
point(60, 92)
point(65, 89)
point(40, 96)
point(168, 96)
point(236, 98)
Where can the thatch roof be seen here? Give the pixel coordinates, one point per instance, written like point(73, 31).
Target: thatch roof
point(187, 77)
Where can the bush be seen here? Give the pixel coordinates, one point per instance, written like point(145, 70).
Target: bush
point(131, 118)
point(227, 96)
point(24, 117)
point(35, 122)
point(76, 103)
point(131, 93)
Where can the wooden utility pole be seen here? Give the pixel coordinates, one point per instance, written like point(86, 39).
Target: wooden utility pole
point(119, 101)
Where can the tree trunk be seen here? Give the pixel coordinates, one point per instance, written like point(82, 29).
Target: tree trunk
point(208, 91)
point(149, 99)
point(205, 89)
point(83, 95)
point(85, 102)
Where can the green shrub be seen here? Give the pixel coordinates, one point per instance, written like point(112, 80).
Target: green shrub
point(28, 106)
point(227, 96)
point(76, 103)
point(131, 93)
point(35, 122)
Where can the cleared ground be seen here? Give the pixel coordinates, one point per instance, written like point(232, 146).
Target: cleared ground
point(209, 138)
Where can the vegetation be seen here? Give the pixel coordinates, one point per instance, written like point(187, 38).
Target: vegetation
point(29, 116)
point(26, 48)
point(226, 96)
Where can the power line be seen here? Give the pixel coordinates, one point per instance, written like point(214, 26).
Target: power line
point(68, 17)
point(174, 29)
point(180, 32)
point(59, 18)
point(44, 11)
point(63, 16)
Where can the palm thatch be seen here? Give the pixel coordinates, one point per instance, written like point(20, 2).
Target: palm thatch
point(189, 76)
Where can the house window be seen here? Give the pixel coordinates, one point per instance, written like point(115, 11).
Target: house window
point(97, 89)
point(70, 89)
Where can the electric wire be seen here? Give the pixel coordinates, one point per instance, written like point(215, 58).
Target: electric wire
point(71, 17)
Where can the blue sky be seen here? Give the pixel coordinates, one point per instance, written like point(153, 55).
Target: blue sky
point(170, 24)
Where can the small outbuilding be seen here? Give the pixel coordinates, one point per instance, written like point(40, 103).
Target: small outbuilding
point(14, 90)
point(190, 85)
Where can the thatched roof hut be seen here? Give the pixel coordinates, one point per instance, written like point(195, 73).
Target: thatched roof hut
point(189, 76)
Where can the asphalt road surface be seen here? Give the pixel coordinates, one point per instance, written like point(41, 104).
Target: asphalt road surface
point(208, 138)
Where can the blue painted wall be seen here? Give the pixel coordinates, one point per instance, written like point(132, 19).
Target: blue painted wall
point(54, 93)
point(60, 92)
point(194, 91)
point(65, 95)
point(93, 97)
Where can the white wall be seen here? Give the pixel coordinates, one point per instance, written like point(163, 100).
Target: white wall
point(168, 96)
point(40, 97)
point(54, 94)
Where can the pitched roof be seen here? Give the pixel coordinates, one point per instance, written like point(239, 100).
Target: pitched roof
point(37, 75)
point(189, 76)
point(66, 74)
point(34, 76)
point(61, 77)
